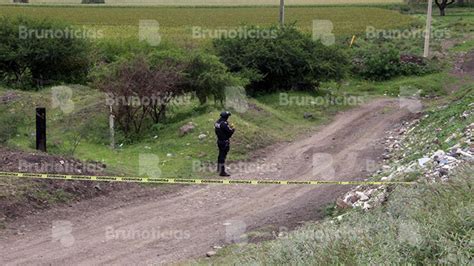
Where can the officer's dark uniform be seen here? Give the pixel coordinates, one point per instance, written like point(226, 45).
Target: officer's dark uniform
point(224, 133)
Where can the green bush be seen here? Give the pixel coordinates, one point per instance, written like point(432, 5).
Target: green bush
point(288, 59)
point(379, 65)
point(140, 91)
point(207, 77)
point(41, 52)
point(111, 50)
point(160, 73)
point(383, 63)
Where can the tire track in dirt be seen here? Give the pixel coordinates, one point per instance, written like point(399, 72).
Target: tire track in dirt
point(198, 213)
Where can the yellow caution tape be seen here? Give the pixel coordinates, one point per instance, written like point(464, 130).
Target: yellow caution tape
point(193, 181)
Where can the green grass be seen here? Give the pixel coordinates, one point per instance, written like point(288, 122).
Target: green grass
point(462, 23)
point(465, 46)
point(215, 2)
point(427, 85)
point(176, 23)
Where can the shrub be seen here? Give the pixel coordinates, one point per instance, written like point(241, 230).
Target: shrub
point(109, 50)
point(207, 77)
point(138, 90)
point(377, 65)
point(137, 70)
point(32, 55)
point(383, 63)
point(287, 60)
point(204, 74)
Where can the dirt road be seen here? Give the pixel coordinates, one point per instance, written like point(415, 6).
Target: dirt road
point(187, 223)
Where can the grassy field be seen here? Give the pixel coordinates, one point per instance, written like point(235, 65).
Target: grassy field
point(177, 23)
point(213, 2)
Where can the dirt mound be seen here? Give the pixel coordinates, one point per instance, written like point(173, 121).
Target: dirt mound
point(20, 197)
point(20, 161)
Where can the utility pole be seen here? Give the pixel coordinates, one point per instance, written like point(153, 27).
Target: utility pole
point(426, 51)
point(282, 13)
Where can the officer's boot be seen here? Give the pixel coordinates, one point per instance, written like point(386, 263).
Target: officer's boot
point(222, 170)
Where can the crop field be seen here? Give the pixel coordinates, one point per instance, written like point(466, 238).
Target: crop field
point(177, 23)
point(214, 2)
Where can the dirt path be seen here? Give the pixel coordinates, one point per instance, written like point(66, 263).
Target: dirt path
point(186, 224)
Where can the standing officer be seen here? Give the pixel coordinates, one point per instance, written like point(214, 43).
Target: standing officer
point(223, 131)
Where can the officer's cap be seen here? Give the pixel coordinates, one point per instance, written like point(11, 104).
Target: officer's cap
point(225, 114)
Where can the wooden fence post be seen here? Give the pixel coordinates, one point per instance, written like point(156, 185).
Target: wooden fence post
point(41, 129)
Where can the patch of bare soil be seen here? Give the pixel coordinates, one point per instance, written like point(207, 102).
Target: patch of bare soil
point(172, 227)
point(8, 97)
point(20, 197)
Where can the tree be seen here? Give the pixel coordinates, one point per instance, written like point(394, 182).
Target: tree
point(443, 5)
point(138, 90)
point(207, 77)
point(41, 52)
